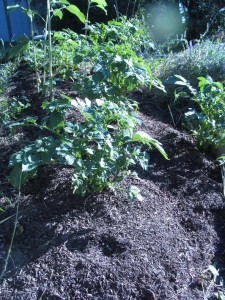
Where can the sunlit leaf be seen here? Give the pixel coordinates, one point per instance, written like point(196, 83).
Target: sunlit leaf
point(58, 13)
point(73, 9)
point(146, 139)
point(100, 4)
point(13, 7)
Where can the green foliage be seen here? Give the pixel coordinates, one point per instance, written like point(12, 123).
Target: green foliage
point(23, 44)
point(12, 109)
point(100, 149)
point(54, 8)
point(114, 69)
point(213, 12)
point(6, 70)
point(205, 58)
point(132, 32)
point(9, 109)
point(64, 50)
point(206, 118)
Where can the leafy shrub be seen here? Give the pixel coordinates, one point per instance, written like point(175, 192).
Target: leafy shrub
point(114, 69)
point(6, 71)
point(63, 51)
point(131, 32)
point(206, 118)
point(100, 149)
point(9, 109)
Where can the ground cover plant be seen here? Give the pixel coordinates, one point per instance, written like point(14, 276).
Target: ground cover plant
point(68, 229)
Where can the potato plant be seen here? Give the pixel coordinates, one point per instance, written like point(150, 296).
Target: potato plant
point(100, 149)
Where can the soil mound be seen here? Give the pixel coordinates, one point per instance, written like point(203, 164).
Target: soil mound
point(105, 247)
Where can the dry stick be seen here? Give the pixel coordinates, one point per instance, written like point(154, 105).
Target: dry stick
point(14, 230)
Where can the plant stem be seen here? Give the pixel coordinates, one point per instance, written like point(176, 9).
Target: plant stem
point(14, 231)
point(33, 45)
point(45, 50)
point(50, 49)
point(42, 127)
point(87, 17)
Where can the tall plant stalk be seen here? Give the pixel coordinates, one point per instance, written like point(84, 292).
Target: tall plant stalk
point(45, 51)
point(50, 49)
point(31, 15)
point(87, 17)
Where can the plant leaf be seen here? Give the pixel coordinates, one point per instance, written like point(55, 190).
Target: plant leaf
point(21, 47)
point(17, 177)
point(146, 139)
point(100, 4)
point(134, 193)
point(73, 9)
point(13, 7)
point(58, 13)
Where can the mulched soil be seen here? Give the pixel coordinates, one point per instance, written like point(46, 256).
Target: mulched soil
point(105, 247)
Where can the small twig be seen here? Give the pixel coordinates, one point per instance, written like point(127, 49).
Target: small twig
point(13, 233)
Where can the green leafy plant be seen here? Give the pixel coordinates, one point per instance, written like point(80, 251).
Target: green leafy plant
point(114, 69)
point(63, 52)
point(54, 8)
point(12, 109)
point(99, 3)
point(213, 282)
point(132, 32)
point(99, 150)
point(206, 117)
point(9, 108)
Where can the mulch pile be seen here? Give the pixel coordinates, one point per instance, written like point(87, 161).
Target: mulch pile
point(105, 247)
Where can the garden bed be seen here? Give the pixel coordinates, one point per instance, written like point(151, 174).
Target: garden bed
point(106, 247)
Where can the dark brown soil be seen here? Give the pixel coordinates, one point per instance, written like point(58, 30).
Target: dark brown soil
point(105, 247)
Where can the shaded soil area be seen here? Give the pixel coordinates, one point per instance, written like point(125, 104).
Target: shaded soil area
point(105, 247)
